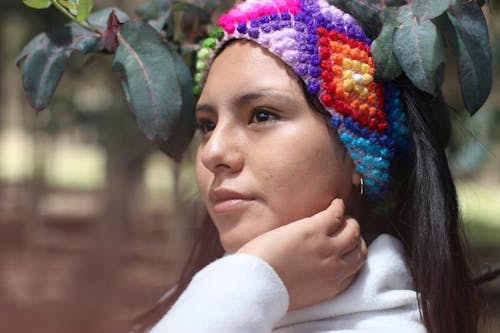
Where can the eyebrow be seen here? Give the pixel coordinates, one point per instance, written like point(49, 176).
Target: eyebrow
point(241, 100)
point(205, 108)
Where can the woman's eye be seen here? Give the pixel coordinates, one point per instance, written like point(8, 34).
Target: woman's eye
point(205, 126)
point(262, 115)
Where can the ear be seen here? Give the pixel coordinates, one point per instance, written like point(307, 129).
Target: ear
point(356, 177)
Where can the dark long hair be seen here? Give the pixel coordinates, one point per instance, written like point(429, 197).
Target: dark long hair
point(429, 224)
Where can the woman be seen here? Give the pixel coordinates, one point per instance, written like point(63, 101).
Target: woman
point(296, 136)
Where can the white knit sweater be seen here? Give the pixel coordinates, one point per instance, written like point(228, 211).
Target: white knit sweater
point(243, 294)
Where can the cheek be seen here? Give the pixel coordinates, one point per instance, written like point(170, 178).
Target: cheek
point(331, 167)
point(306, 173)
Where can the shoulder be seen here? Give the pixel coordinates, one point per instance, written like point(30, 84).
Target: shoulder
point(235, 292)
point(386, 267)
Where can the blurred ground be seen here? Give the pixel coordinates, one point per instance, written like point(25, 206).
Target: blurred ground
point(63, 276)
point(55, 277)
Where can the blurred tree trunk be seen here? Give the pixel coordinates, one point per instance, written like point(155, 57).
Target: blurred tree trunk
point(37, 186)
point(123, 195)
point(176, 180)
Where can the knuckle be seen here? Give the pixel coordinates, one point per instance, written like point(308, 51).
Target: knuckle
point(354, 229)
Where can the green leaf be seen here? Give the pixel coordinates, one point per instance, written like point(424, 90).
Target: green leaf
point(394, 3)
point(164, 16)
point(366, 13)
point(186, 121)
point(372, 5)
point(387, 67)
point(155, 12)
point(192, 9)
point(420, 49)
point(150, 82)
point(69, 7)
point(152, 9)
point(41, 74)
point(30, 47)
point(147, 11)
point(486, 3)
point(429, 9)
point(467, 32)
point(38, 4)
point(84, 9)
point(44, 60)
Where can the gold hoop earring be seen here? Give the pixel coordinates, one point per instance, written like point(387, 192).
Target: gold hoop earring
point(361, 186)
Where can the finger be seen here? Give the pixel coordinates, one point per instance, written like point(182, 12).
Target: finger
point(347, 237)
point(355, 261)
point(356, 257)
point(332, 217)
point(346, 282)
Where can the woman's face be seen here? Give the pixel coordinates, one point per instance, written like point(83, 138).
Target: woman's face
point(266, 158)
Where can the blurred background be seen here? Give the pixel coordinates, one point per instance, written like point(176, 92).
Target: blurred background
point(95, 222)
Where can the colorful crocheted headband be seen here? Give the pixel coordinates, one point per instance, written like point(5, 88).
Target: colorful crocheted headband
point(328, 50)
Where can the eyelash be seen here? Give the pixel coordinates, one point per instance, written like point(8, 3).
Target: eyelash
point(206, 126)
point(203, 124)
point(270, 116)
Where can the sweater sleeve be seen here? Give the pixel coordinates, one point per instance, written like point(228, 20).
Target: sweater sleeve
point(237, 293)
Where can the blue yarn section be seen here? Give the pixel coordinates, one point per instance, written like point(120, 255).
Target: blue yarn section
point(373, 152)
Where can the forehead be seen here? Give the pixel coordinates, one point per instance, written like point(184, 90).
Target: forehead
point(246, 67)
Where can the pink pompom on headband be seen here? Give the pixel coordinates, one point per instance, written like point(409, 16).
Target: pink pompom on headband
point(329, 51)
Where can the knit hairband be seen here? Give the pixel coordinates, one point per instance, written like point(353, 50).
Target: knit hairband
point(329, 51)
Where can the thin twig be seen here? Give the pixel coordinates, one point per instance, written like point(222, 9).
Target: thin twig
point(85, 24)
point(63, 10)
point(92, 27)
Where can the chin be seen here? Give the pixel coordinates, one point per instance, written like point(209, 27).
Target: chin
point(233, 241)
point(232, 245)
point(234, 234)
point(230, 248)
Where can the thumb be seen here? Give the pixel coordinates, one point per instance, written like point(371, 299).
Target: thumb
point(332, 217)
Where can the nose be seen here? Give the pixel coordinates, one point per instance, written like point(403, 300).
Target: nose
point(222, 151)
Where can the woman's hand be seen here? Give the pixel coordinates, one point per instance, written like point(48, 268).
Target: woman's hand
point(316, 257)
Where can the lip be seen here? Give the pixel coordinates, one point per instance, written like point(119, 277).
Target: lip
point(225, 200)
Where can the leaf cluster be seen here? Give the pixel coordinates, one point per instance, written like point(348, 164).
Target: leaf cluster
point(413, 37)
point(154, 53)
point(151, 53)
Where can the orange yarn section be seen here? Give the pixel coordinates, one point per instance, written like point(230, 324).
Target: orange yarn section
point(347, 73)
